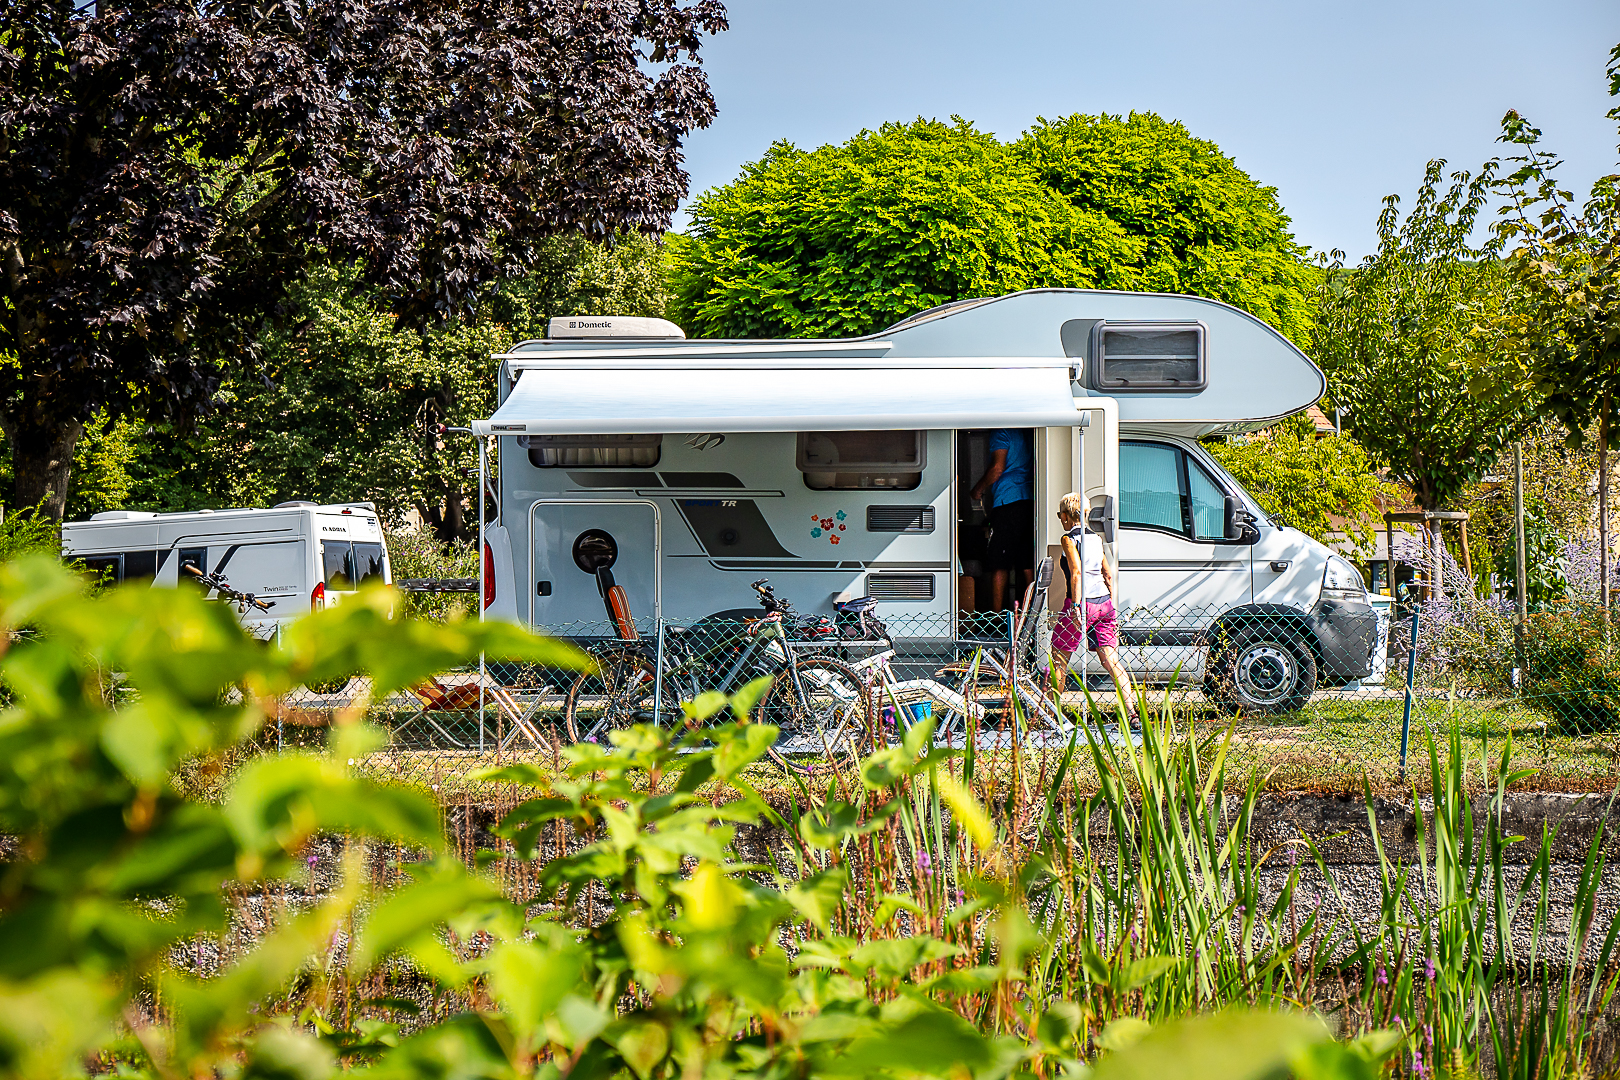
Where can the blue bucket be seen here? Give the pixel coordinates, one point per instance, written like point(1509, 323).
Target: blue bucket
point(918, 711)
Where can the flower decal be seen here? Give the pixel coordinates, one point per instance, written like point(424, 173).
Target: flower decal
point(828, 525)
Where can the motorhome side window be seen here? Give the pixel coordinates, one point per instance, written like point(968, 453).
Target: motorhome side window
point(592, 451)
point(862, 460)
point(1148, 356)
point(1162, 487)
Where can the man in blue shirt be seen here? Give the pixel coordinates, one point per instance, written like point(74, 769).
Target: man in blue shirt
point(1010, 479)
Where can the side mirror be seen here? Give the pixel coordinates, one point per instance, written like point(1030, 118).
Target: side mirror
point(1100, 520)
point(1238, 524)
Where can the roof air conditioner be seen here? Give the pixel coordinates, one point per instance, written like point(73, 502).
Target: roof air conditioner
point(613, 326)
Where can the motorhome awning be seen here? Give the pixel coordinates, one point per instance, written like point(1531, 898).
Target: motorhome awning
point(576, 401)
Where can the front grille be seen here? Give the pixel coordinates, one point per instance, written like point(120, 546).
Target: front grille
point(900, 519)
point(900, 586)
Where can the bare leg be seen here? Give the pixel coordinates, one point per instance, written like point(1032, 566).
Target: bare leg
point(1122, 679)
point(998, 590)
point(1060, 672)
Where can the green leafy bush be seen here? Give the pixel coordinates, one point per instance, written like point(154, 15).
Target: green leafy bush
point(899, 928)
point(1572, 669)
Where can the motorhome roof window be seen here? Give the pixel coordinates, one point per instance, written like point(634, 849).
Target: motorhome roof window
point(862, 460)
point(1148, 356)
point(592, 451)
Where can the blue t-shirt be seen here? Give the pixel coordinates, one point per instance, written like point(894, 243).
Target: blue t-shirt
point(1017, 480)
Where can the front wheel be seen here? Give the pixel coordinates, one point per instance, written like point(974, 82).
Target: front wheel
point(618, 695)
point(820, 705)
point(1261, 671)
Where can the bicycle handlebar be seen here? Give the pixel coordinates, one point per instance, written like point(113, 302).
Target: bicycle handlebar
point(218, 584)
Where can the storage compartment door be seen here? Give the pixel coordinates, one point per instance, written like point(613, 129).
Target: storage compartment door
point(569, 537)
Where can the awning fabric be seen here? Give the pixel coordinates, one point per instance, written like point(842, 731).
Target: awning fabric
point(575, 401)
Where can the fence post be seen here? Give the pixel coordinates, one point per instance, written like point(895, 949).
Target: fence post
point(1411, 669)
point(658, 674)
point(1521, 574)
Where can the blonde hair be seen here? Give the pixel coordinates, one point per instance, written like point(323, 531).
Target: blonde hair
point(1073, 506)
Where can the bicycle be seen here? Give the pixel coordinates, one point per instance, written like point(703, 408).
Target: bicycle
point(244, 601)
point(812, 691)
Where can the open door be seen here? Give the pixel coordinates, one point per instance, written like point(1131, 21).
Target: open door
point(1082, 458)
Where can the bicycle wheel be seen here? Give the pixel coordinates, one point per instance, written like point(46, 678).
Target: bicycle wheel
point(619, 695)
point(820, 706)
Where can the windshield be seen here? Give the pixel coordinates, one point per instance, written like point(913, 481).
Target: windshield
point(1237, 488)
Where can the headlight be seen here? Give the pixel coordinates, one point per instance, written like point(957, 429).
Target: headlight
point(1342, 581)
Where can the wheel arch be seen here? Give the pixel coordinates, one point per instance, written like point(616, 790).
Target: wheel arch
point(1294, 619)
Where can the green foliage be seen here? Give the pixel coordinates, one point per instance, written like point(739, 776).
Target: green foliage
point(656, 951)
point(845, 240)
point(28, 531)
point(1415, 343)
point(1567, 265)
point(1319, 484)
point(344, 403)
point(1572, 669)
point(1544, 578)
point(115, 868)
point(1197, 223)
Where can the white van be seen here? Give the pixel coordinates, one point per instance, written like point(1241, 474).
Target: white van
point(841, 468)
point(296, 556)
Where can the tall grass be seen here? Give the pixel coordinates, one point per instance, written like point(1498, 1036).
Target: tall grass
point(1155, 897)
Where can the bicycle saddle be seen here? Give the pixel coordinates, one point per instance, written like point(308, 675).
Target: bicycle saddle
point(857, 605)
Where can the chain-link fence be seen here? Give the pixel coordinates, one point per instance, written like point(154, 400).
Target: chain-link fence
point(1299, 701)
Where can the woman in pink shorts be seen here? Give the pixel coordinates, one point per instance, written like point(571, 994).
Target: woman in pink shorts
point(1088, 575)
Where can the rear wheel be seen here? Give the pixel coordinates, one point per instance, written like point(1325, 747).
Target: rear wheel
point(618, 695)
point(1260, 671)
point(820, 706)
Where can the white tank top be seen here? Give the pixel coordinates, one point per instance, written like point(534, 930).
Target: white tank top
point(1092, 585)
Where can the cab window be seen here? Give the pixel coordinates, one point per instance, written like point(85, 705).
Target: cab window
point(1162, 487)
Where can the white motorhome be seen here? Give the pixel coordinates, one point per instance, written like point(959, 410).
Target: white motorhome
point(297, 556)
point(838, 468)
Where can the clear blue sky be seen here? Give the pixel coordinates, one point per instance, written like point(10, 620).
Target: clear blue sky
point(1334, 104)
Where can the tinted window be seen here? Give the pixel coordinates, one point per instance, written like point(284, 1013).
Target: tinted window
point(1150, 486)
point(337, 565)
point(194, 557)
point(108, 568)
point(557, 451)
point(368, 562)
point(140, 564)
point(1208, 504)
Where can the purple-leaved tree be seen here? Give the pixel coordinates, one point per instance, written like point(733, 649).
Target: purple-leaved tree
point(167, 170)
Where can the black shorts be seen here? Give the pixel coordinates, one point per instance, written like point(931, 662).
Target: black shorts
point(1012, 536)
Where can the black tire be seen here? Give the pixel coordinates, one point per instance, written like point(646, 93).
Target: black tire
point(620, 696)
point(1260, 670)
point(820, 705)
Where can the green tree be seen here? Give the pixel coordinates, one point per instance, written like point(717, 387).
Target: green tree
point(1566, 265)
point(1414, 343)
point(1197, 223)
point(1321, 485)
point(844, 240)
point(848, 239)
point(346, 402)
